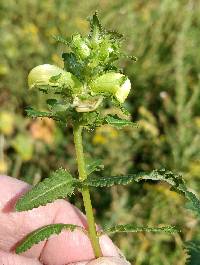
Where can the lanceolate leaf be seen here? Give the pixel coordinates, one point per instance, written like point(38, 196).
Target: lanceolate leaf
point(117, 122)
point(60, 39)
point(178, 185)
point(109, 181)
point(96, 27)
point(35, 113)
point(175, 180)
point(127, 228)
point(43, 234)
point(59, 185)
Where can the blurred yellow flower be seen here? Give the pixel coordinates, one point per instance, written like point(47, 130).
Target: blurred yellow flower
point(104, 134)
point(6, 122)
point(31, 29)
point(197, 121)
point(165, 191)
point(99, 139)
point(3, 167)
point(194, 168)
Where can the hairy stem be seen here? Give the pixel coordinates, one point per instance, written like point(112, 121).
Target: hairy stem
point(85, 191)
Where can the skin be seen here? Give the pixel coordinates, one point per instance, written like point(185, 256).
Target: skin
point(66, 248)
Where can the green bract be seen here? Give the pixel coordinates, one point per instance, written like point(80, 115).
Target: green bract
point(115, 84)
point(51, 75)
point(81, 47)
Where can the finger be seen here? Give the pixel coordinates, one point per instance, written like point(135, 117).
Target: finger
point(65, 248)
point(13, 259)
point(103, 261)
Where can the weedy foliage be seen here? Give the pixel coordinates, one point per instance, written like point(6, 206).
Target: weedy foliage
point(77, 96)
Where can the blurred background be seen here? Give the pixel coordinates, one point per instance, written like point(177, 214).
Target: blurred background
point(165, 100)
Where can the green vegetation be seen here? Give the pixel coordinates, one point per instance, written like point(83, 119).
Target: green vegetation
point(164, 103)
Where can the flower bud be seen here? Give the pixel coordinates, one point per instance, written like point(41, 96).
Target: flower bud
point(47, 74)
point(80, 45)
point(114, 83)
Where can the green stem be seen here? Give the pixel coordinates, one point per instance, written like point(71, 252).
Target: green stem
point(85, 192)
point(17, 167)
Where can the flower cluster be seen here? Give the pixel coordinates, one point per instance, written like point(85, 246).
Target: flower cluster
point(89, 73)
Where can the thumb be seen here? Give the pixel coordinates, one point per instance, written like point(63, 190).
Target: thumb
point(14, 259)
point(104, 261)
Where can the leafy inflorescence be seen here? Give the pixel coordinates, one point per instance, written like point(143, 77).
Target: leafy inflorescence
point(91, 57)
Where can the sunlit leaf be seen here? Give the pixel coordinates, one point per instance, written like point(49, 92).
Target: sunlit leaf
point(59, 185)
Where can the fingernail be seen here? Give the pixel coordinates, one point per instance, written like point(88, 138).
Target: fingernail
point(109, 261)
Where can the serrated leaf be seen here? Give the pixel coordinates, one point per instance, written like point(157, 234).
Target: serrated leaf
point(60, 39)
point(59, 185)
point(72, 65)
point(42, 234)
point(95, 24)
point(193, 252)
point(109, 181)
point(178, 185)
point(118, 122)
point(94, 165)
point(175, 180)
point(131, 228)
point(38, 114)
point(115, 35)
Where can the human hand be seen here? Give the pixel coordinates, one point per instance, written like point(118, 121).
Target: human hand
point(66, 248)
